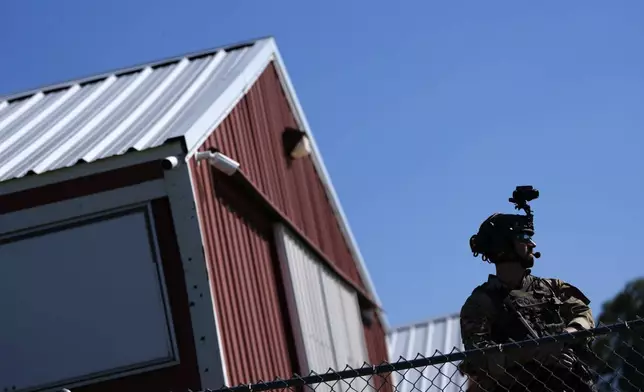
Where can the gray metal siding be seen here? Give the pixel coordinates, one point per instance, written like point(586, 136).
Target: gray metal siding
point(343, 314)
point(327, 311)
point(85, 122)
point(432, 337)
point(308, 295)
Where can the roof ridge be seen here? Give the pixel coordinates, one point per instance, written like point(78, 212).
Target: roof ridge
point(98, 76)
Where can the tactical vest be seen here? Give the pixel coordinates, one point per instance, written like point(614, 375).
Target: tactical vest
point(537, 303)
point(539, 306)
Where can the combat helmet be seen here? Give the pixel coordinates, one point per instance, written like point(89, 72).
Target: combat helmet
point(496, 234)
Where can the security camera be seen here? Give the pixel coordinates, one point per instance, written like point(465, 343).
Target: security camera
point(219, 161)
point(223, 163)
point(169, 163)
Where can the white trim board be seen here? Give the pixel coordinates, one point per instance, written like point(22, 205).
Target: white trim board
point(254, 63)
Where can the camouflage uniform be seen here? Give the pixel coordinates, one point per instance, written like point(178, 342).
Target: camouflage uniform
point(549, 306)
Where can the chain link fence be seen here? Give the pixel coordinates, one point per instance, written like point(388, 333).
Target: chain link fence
point(606, 358)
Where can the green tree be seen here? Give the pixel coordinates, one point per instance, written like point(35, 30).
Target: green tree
point(620, 362)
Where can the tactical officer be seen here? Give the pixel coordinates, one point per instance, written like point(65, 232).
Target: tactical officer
point(514, 305)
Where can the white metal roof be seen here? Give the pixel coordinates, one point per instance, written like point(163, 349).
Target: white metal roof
point(437, 336)
point(140, 108)
point(88, 120)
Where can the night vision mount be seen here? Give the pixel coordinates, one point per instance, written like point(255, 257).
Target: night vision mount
point(521, 196)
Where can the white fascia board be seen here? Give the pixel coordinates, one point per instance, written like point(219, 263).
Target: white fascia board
point(252, 66)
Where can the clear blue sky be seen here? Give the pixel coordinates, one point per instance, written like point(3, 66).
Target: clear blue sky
point(428, 113)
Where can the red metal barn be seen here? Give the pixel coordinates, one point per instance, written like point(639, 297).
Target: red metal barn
point(137, 256)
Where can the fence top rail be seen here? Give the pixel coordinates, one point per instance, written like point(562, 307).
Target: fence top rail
point(420, 361)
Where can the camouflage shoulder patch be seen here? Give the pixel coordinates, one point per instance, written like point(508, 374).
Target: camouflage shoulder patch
point(567, 290)
point(573, 291)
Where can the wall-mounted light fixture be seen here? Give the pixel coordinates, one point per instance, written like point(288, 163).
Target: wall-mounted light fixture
point(219, 161)
point(296, 143)
point(368, 316)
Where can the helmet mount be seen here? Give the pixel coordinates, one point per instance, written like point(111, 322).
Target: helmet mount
point(497, 233)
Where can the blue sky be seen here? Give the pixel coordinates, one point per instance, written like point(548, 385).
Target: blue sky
point(428, 114)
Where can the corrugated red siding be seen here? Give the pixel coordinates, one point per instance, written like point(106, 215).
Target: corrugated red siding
point(180, 377)
point(377, 347)
point(255, 332)
point(252, 135)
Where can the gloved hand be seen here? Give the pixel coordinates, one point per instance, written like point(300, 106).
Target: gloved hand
point(567, 358)
point(556, 354)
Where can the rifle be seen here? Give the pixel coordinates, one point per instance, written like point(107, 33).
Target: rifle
point(569, 350)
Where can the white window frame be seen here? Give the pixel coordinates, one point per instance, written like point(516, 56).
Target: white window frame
point(61, 215)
